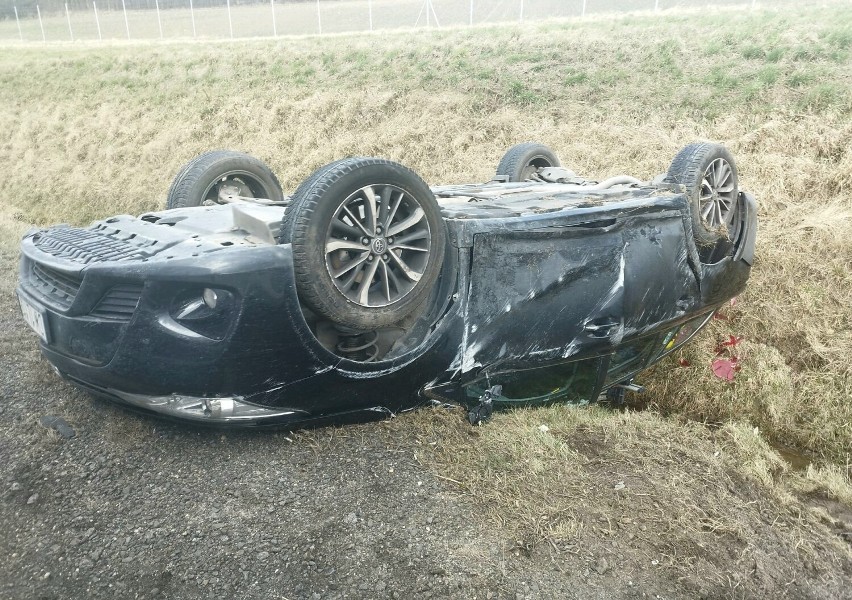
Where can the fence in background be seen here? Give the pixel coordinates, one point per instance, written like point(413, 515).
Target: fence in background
point(55, 20)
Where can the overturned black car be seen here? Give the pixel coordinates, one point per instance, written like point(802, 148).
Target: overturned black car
point(367, 292)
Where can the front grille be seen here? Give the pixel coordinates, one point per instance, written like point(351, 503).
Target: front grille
point(96, 244)
point(59, 287)
point(118, 303)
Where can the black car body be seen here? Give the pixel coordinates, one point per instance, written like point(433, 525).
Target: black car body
point(554, 291)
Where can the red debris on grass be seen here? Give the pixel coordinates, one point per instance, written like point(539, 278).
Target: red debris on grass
point(731, 342)
point(726, 368)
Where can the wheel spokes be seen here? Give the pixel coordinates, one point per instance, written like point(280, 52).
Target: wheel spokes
point(393, 210)
point(377, 246)
point(370, 213)
point(346, 284)
point(722, 174)
point(385, 280)
point(384, 198)
point(408, 222)
point(350, 265)
point(406, 270)
point(234, 183)
point(357, 221)
point(366, 283)
point(412, 248)
point(345, 228)
point(333, 245)
point(706, 208)
point(717, 197)
point(420, 234)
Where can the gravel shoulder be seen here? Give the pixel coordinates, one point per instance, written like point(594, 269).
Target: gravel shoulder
point(133, 507)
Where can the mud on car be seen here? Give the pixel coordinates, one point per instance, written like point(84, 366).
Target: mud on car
point(367, 292)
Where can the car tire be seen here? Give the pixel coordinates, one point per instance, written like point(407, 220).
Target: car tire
point(709, 174)
point(198, 181)
point(522, 160)
point(362, 257)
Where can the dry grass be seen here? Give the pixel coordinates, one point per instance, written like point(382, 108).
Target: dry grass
point(793, 403)
point(703, 504)
point(92, 131)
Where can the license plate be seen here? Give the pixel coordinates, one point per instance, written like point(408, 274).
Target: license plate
point(34, 317)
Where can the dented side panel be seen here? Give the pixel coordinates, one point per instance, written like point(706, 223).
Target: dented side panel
point(660, 284)
point(537, 296)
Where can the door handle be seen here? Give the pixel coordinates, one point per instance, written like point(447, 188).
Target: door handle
point(601, 328)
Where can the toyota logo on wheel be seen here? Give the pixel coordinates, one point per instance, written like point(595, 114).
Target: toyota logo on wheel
point(379, 246)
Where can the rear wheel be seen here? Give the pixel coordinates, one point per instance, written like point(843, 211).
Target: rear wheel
point(521, 161)
point(368, 241)
point(710, 176)
point(209, 177)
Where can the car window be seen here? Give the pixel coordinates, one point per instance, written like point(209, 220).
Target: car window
point(676, 337)
point(631, 357)
point(637, 355)
point(573, 382)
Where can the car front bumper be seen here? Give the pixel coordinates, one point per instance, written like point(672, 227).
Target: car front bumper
point(143, 355)
point(219, 410)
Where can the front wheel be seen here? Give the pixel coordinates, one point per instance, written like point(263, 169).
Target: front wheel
point(368, 241)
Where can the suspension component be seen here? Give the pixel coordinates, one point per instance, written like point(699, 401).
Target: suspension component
point(357, 345)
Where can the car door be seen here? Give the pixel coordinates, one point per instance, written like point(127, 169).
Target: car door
point(544, 295)
point(659, 284)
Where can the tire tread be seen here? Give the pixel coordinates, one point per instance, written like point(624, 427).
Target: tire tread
point(299, 218)
point(180, 192)
point(687, 169)
point(519, 155)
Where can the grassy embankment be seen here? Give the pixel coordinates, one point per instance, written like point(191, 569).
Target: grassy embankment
point(93, 131)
